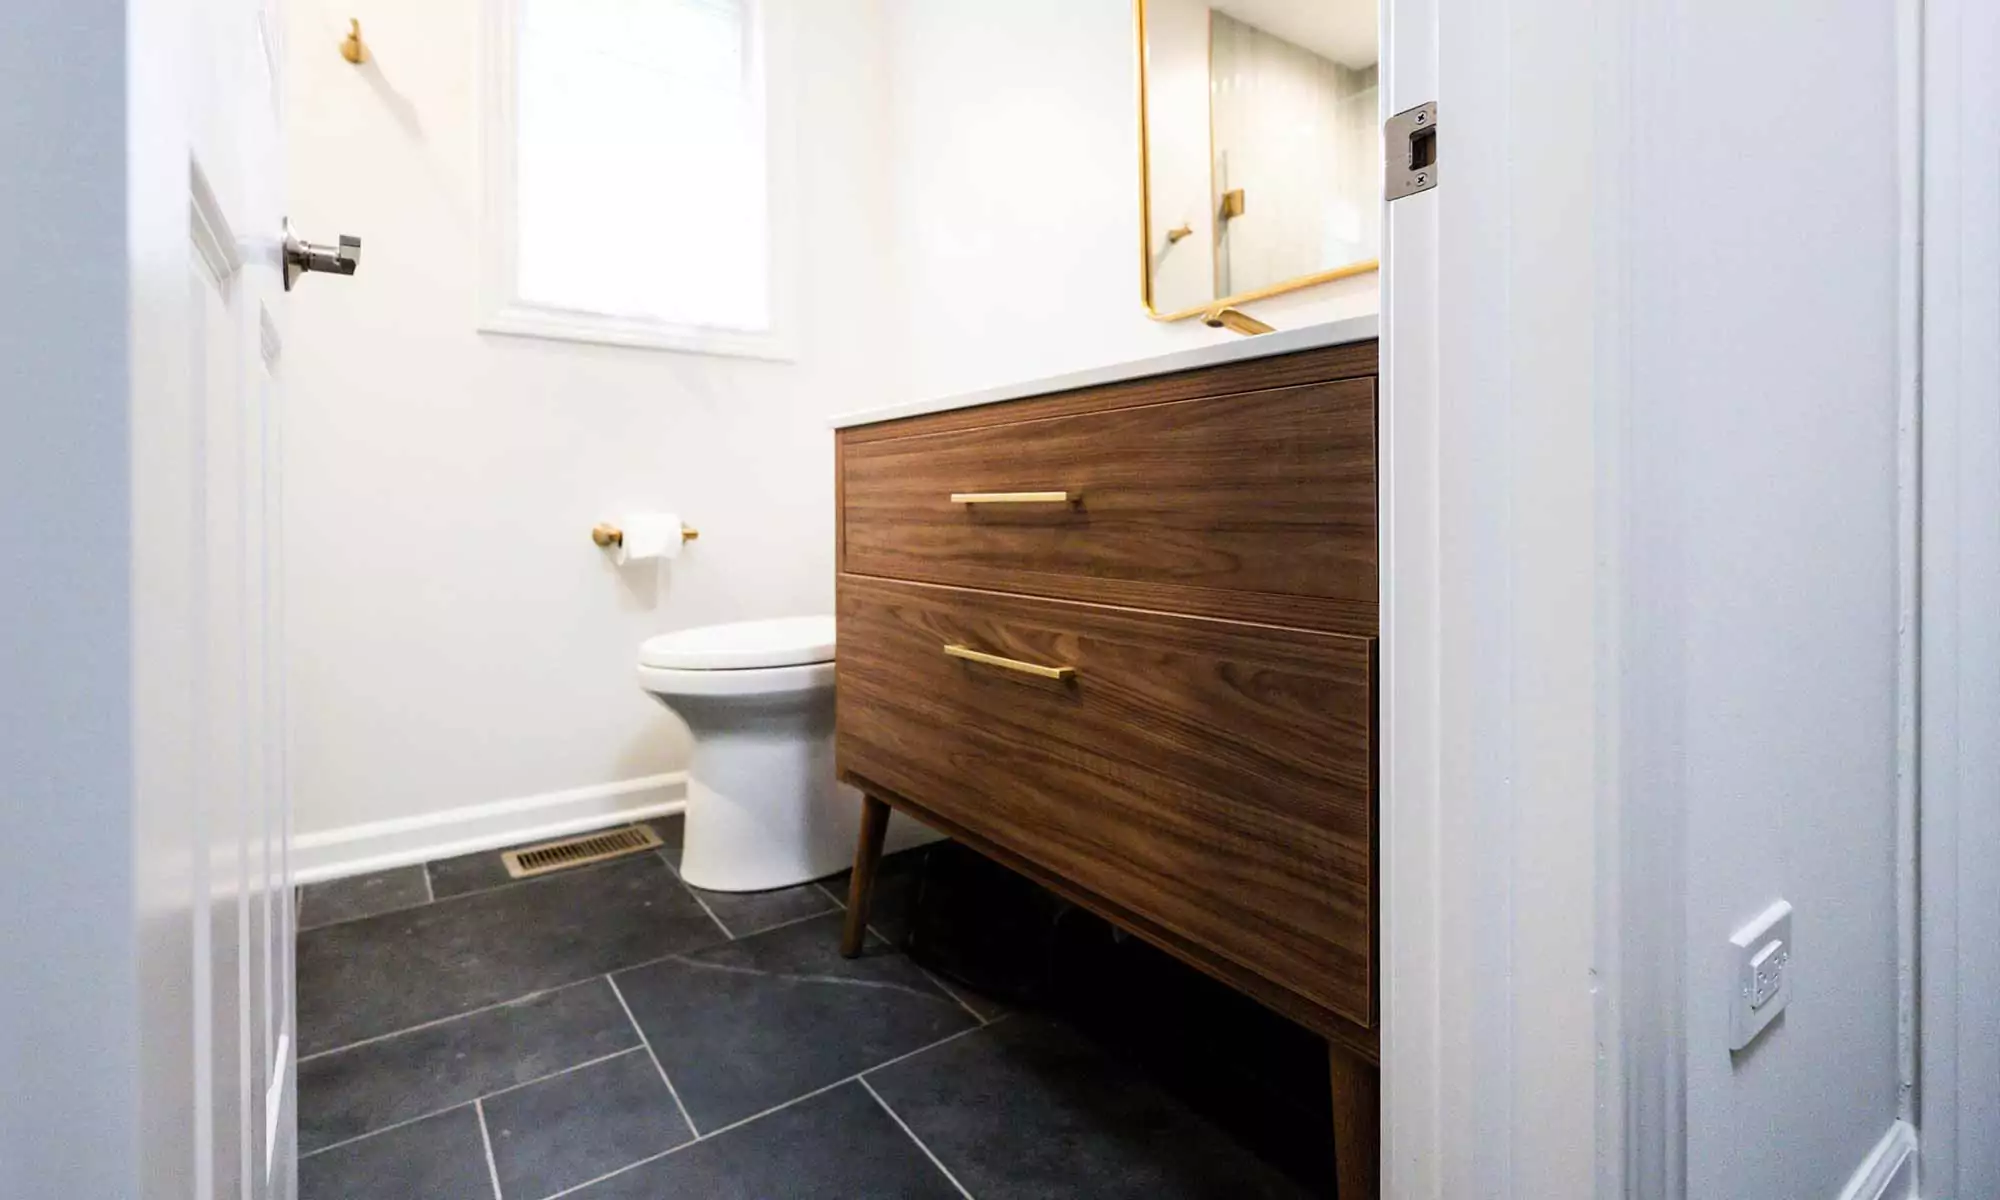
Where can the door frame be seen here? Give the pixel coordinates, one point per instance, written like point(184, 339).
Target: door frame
point(1496, 582)
point(1958, 970)
point(82, 259)
point(1469, 1073)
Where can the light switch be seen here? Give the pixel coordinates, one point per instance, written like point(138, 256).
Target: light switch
point(1763, 950)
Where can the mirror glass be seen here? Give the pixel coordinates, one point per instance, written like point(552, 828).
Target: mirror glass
point(1262, 167)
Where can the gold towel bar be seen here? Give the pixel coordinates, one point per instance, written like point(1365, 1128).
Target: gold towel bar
point(1016, 497)
point(611, 535)
point(1010, 664)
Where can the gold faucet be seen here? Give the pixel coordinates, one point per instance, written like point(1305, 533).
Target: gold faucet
point(1242, 322)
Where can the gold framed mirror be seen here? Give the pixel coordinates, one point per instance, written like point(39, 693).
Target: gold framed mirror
point(1259, 154)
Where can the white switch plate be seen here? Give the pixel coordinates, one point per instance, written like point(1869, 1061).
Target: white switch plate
point(1763, 978)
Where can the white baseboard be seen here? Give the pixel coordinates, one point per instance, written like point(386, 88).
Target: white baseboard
point(1890, 1170)
point(379, 845)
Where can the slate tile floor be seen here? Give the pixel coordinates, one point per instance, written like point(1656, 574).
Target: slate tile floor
point(609, 1033)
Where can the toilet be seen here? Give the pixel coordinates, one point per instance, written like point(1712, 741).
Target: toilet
point(763, 807)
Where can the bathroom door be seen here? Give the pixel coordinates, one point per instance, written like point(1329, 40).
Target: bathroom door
point(241, 908)
point(146, 1024)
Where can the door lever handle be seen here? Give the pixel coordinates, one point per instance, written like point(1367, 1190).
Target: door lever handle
point(302, 256)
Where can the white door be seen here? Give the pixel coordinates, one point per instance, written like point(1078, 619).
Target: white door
point(216, 1006)
point(242, 910)
point(146, 1028)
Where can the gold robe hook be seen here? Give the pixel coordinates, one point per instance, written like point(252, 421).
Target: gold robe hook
point(352, 48)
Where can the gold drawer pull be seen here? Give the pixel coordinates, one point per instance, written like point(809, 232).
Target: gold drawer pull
point(1016, 497)
point(1010, 664)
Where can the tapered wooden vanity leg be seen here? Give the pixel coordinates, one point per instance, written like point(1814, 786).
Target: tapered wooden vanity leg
point(1357, 1124)
point(861, 889)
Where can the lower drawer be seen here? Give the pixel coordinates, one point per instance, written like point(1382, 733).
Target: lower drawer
point(1213, 779)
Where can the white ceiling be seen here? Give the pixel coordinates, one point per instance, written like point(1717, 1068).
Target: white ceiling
point(1342, 30)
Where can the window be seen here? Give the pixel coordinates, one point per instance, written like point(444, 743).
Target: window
point(628, 175)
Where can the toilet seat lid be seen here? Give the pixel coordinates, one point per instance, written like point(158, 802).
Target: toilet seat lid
point(742, 645)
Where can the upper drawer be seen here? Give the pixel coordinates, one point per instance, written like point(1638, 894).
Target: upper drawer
point(1258, 506)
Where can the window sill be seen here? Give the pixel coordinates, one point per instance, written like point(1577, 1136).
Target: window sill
point(565, 325)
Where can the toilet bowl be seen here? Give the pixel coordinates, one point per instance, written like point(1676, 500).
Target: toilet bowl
point(763, 807)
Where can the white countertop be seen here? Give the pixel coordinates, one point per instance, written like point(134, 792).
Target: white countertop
point(1264, 345)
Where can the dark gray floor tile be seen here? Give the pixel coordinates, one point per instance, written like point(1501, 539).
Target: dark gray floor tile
point(1027, 1109)
point(484, 871)
point(361, 896)
point(745, 913)
point(351, 1092)
point(838, 1145)
point(895, 892)
point(382, 974)
point(749, 1024)
point(983, 1006)
point(581, 1124)
point(437, 1158)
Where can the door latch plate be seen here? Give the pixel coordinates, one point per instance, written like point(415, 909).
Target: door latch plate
point(1409, 141)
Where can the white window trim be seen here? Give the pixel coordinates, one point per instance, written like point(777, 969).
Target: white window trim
point(501, 308)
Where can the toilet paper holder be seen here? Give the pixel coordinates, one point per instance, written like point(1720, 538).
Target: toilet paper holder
point(611, 535)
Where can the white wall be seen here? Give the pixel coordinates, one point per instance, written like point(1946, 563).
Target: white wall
point(1761, 594)
point(1016, 180)
point(457, 638)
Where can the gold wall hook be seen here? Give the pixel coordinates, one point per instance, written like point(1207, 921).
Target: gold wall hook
point(1178, 232)
point(352, 48)
point(607, 536)
point(1235, 319)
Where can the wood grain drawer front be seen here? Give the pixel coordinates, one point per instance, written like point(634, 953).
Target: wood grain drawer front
point(1213, 779)
point(1258, 506)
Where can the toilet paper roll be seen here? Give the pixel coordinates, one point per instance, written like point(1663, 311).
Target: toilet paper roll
point(649, 537)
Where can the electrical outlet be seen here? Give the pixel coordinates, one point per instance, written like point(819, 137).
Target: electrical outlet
point(1767, 973)
point(1762, 989)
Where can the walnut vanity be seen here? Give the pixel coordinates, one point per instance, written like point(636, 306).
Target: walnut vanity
point(1118, 632)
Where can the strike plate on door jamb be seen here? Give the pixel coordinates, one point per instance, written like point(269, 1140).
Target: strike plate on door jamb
point(1409, 141)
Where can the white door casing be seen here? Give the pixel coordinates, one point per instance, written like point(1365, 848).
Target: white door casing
point(1958, 1072)
point(67, 834)
point(1407, 711)
point(1497, 794)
